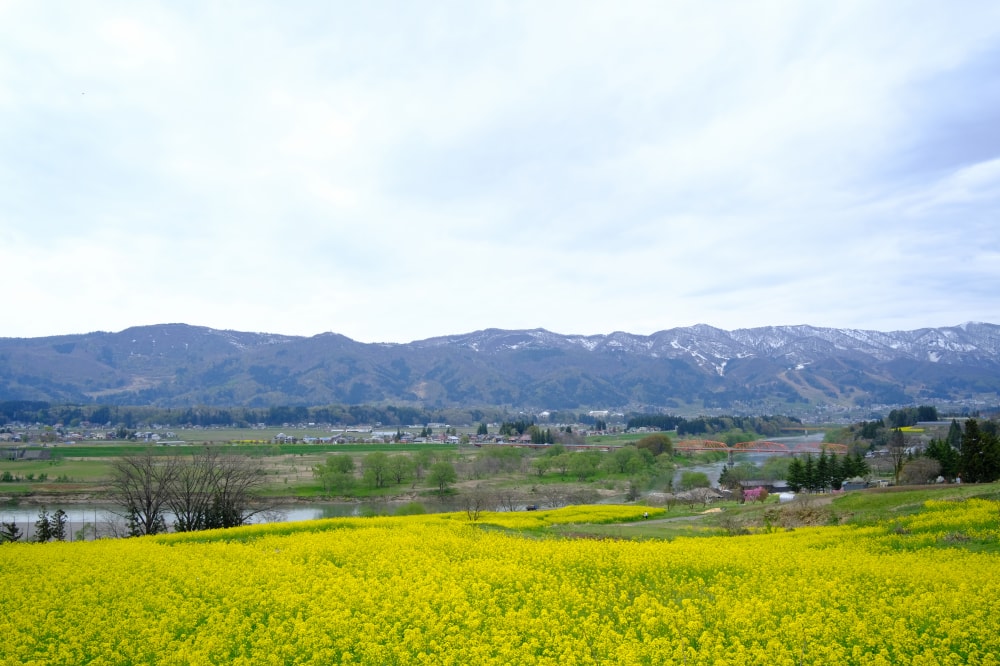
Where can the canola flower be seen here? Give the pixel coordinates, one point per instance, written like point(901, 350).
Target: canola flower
point(438, 589)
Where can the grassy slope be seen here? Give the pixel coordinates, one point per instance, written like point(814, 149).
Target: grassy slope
point(865, 507)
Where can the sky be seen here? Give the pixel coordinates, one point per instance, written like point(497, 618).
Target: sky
point(394, 171)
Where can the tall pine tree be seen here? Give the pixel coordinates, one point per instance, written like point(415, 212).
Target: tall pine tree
point(823, 475)
point(954, 437)
point(57, 525)
point(43, 527)
point(980, 458)
point(796, 475)
point(947, 457)
point(809, 474)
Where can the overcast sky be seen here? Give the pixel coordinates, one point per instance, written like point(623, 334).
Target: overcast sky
point(394, 171)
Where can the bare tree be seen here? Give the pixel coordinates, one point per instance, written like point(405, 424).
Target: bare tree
point(140, 486)
point(897, 453)
point(552, 496)
point(508, 499)
point(207, 491)
point(234, 498)
point(192, 490)
point(920, 470)
point(476, 501)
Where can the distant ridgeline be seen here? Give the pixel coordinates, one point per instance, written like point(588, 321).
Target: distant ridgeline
point(798, 370)
point(26, 411)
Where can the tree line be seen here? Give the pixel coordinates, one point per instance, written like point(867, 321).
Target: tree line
point(27, 411)
point(767, 426)
point(338, 474)
point(47, 528)
point(976, 459)
point(826, 472)
point(970, 451)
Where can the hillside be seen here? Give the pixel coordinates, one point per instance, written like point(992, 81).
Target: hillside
point(760, 369)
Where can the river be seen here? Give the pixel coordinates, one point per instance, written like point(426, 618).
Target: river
point(81, 518)
point(714, 470)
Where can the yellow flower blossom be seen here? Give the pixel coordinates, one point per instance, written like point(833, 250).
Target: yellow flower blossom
point(438, 589)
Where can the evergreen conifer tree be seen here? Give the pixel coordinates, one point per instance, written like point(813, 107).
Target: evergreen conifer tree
point(796, 475)
point(980, 457)
point(954, 438)
point(949, 459)
point(43, 527)
point(824, 476)
point(57, 525)
point(809, 474)
point(9, 532)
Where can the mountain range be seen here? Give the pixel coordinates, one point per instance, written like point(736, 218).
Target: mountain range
point(765, 370)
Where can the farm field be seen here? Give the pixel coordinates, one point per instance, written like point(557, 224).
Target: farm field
point(920, 586)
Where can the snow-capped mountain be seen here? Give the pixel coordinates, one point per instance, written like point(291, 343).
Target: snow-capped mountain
point(698, 366)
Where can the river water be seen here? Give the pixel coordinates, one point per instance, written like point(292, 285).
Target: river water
point(81, 519)
point(714, 470)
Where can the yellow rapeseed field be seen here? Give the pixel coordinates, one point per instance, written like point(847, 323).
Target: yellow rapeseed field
point(441, 590)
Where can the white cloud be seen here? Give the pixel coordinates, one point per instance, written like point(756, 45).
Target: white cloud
point(398, 171)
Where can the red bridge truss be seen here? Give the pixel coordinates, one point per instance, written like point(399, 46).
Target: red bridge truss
point(760, 446)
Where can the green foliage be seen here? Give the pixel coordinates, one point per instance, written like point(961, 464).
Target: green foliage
point(954, 437)
point(411, 509)
point(57, 525)
point(493, 460)
point(336, 475)
point(375, 469)
point(657, 444)
point(9, 532)
point(583, 465)
point(422, 460)
point(774, 468)
point(628, 460)
point(796, 476)
point(732, 476)
point(661, 475)
point(767, 426)
point(980, 457)
point(949, 459)
point(555, 450)
point(823, 473)
point(43, 527)
point(838, 436)
point(659, 421)
point(512, 428)
point(441, 475)
point(400, 467)
point(735, 436)
point(541, 465)
point(908, 416)
point(539, 436)
point(692, 480)
point(341, 463)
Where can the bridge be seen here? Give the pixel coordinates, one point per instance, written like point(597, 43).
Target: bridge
point(758, 446)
